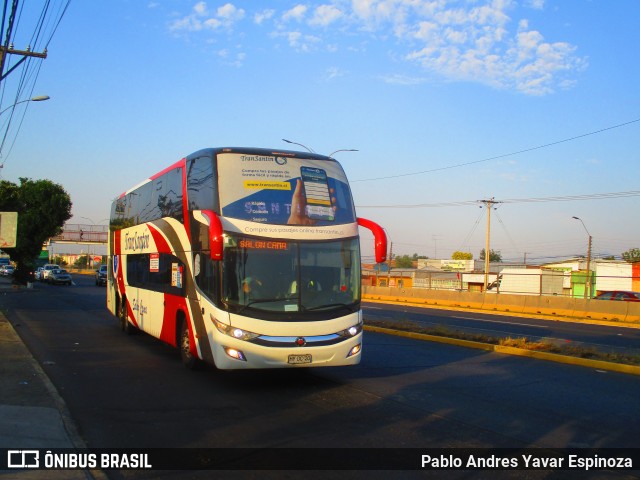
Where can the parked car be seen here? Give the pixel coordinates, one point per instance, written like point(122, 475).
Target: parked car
point(623, 295)
point(101, 275)
point(59, 276)
point(6, 270)
point(46, 270)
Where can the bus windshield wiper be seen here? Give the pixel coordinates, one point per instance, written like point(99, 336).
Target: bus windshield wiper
point(331, 305)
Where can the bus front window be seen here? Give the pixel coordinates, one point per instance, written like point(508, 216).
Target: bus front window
point(289, 276)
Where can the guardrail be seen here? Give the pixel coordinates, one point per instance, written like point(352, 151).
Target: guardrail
point(577, 308)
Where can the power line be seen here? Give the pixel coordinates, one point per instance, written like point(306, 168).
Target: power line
point(562, 198)
point(47, 23)
point(531, 149)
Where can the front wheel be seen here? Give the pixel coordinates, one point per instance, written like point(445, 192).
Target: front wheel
point(188, 359)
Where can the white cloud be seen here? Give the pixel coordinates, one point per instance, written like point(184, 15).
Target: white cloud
point(200, 8)
point(463, 40)
point(263, 16)
point(297, 13)
point(230, 13)
point(200, 18)
point(299, 41)
point(212, 23)
point(325, 15)
point(475, 44)
point(236, 60)
point(333, 72)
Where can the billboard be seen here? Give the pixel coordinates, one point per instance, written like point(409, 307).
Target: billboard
point(282, 190)
point(8, 229)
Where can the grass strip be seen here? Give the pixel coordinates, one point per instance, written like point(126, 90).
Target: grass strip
point(547, 346)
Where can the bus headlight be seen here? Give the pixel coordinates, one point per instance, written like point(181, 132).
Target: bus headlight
point(234, 332)
point(351, 331)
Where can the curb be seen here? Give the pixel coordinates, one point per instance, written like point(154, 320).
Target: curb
point(550, 357)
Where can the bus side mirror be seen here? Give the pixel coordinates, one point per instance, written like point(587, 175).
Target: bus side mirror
point(380, 238)
point(216, 241)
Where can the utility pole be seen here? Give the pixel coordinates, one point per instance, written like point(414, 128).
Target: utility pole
point(4, 51)
point(588, 283)
point(435, 245)
point(8, 49)
point(488, 204)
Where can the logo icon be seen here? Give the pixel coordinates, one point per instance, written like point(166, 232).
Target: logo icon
point(23, 459)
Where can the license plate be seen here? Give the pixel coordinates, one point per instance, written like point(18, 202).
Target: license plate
point(299, 359)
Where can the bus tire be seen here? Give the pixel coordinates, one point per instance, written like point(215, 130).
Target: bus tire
point(125, 325)
point(188, 359)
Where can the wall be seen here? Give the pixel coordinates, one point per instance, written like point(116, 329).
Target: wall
point(614, 276)
point(577, 308)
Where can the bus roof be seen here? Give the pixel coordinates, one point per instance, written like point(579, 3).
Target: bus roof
point(260, 151)
point(217, 150)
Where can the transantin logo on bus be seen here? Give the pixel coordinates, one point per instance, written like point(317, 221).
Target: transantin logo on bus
point(263, 158)
point(136, 241)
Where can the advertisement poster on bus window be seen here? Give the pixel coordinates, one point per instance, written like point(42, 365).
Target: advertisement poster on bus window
point(283, 190)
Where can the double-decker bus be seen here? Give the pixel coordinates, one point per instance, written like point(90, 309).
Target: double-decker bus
point(242, 258)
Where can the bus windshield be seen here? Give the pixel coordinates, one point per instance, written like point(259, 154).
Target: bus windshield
point(265, 275)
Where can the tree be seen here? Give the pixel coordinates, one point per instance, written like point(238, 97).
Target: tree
point(43, 207)
point(404, 261)
point(631, 255)
point(82, 261)
point(494, 255)
point(58, 260)
point(457, 255)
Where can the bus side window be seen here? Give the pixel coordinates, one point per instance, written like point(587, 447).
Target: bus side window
point(206, 275)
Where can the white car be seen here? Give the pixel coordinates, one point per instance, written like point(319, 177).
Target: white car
point(46, 270)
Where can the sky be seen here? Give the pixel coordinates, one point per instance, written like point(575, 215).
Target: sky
point(533, 103)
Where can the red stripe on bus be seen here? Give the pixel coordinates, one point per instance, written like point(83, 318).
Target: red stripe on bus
point(178, 164)
point(162, 246)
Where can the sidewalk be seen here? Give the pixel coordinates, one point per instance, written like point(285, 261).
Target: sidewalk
point(32, 413)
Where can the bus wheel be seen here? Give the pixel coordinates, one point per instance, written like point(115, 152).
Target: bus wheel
point(124, 322)
point(188, 359)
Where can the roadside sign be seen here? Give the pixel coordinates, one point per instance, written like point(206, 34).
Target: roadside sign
point(8, 229)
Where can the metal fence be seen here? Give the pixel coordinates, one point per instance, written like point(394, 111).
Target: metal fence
point(82, 234)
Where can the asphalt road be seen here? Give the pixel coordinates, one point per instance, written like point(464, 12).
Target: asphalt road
point(132, 392)
point(605, 338)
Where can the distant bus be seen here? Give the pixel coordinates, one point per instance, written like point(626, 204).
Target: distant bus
point(242, 258)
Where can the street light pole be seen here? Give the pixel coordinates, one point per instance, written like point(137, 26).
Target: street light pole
point(39, 98)
point(587, 285)
point(343, 150)
point(299, 144)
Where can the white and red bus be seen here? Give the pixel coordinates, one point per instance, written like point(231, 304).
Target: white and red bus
point(242, 258)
